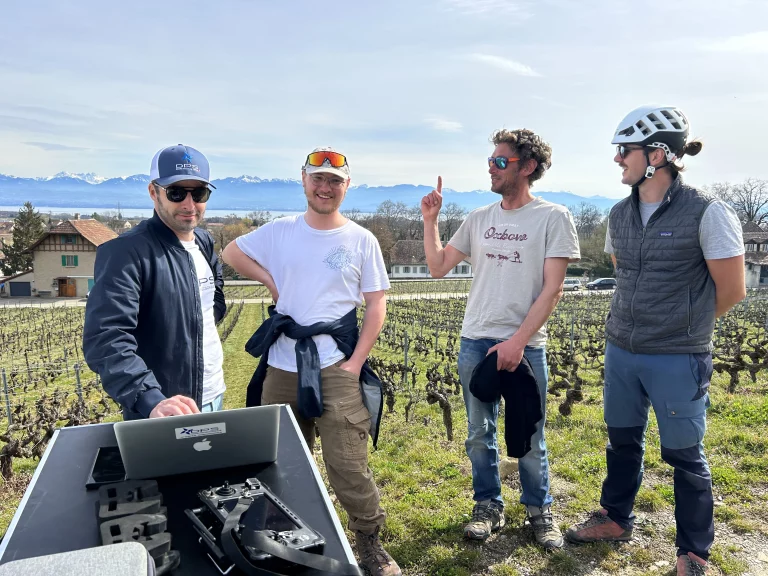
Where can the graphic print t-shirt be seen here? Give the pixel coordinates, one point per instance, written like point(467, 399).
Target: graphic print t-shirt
point(213, 355)
point(507, 249)
point(320, 276)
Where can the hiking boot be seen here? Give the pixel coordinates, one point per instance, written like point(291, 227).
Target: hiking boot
point(373, 558)
point(487, 517)
point(546, 531)
point(691, 565)
point(597, 528)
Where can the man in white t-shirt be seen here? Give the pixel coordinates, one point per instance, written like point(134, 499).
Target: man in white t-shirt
point(519, 249)
point(320, 267)
point(150, 323)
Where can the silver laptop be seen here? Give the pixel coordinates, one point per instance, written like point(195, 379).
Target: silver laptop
point(178, 444)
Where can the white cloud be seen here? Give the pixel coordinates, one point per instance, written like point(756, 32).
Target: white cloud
point(490, 7)
point(444, 125)
point(752, 43)
point(505, 64)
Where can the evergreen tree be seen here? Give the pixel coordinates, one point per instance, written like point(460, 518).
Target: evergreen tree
point(28, 227)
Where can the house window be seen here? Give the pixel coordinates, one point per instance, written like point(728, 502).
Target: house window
point(423, 269)
point(749, 266)
point(395, 269)
point(68, 239)
point(69, 261)
point(751, 247)
point(464, 269)
point(406, 269)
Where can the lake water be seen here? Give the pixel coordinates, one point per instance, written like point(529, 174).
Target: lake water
point(132, 212)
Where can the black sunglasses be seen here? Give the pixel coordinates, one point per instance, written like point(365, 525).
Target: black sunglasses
point(177, 194)
point(625, 150)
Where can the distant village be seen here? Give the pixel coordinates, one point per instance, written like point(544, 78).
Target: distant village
point(58, 262)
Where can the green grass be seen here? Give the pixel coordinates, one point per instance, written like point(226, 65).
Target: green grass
point(724, 557)
point(426, 485)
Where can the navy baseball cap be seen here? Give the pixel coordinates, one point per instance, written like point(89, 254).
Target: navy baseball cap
point(177, 163)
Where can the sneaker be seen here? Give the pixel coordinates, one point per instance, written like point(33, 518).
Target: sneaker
point(691, 565)
point(487, 517)
point(546, 531)
point(373, 558)
point(597, 528)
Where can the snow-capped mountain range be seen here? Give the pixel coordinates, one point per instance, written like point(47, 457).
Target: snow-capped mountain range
point(245, 192)
point(91, 177)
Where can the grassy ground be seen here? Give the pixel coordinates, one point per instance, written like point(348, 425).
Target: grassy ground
point(425, 482)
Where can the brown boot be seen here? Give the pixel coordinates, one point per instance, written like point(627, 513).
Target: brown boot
point(691, 565)
point(597, 528)
point(373, 558)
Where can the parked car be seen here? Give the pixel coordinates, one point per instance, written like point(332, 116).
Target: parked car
point(571, 284)
point(602, 284)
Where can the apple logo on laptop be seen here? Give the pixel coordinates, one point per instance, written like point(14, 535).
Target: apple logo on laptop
point(203, 445)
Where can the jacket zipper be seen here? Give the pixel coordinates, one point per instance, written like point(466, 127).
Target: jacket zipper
point(198, 314)
point(690, 309)
point(634, 293)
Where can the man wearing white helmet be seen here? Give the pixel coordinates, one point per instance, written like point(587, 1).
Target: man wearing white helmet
point(679, 259)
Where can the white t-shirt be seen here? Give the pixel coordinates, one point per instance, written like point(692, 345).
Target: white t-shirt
point(320, 276)
point(507, 249)
point(719, 230)
point(213, 355)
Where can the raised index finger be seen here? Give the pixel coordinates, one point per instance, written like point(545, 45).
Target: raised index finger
point(439, 184)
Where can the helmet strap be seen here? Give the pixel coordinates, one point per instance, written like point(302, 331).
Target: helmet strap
point(649, 170)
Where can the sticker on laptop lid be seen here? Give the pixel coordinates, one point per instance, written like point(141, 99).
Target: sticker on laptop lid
point(203, 430)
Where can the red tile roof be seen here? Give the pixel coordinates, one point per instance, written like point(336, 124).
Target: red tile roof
point(92, 230)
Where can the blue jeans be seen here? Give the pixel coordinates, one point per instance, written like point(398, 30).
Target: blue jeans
point(214, 405)
point(482, 445)
point(676, 385)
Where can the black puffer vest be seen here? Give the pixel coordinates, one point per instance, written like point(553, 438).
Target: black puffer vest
point(665, 298)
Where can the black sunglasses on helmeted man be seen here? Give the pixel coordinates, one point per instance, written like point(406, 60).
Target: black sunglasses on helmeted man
point(200, 194)
point(624, 151)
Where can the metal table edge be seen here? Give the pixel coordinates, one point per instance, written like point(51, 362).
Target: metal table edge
point(326, 498)
point(27, 493)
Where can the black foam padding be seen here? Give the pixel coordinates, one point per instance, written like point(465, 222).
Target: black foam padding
point(132, 528)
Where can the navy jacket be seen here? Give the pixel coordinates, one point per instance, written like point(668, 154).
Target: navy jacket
point(143, 331)
point(522, 400)
point(310, 394)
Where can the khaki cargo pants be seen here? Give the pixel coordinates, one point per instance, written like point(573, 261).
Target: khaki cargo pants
point(344, 430)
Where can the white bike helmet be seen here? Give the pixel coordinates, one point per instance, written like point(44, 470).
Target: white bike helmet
point(664, 127)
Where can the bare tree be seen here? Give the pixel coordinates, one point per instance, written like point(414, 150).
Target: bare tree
point(414, 225)
point(384, 234)
point(587, 218)
point(355, 215)
point(260, 217)
point(749, 198)
point(453, 215)
point(391, 213)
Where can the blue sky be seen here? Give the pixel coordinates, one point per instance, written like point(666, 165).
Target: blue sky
point(407, 89)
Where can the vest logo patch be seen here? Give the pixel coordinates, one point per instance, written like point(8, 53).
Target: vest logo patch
point(665, 234)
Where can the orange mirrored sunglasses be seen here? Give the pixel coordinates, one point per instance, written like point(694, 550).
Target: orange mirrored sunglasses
point(334, 159)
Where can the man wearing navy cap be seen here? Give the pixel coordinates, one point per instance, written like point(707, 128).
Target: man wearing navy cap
point(150, 322)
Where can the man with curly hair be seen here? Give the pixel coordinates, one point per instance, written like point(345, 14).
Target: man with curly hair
point(519, 249)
